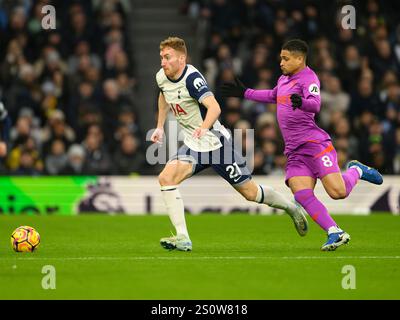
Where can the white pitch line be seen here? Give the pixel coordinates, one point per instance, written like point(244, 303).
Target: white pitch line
point(201, 258)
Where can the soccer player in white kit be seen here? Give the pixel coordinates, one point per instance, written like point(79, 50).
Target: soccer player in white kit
point(207, 143)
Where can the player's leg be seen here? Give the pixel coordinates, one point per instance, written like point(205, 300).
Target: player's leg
point(339, 186)
point(269, 196)
point(336, 184)
point(252, 191)
point(303, 190)
point(321, 160)
point(231, 166)
point(172, 175)
point(301, 179)
point(311, 161)
point(366, 173)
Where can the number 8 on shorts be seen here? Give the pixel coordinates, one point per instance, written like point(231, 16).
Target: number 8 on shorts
point(327, 161)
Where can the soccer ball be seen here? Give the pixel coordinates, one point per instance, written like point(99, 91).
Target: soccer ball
point(25, 239)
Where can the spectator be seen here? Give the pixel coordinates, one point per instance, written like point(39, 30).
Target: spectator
point(343, 139)
point(57, 159)
point(111, 106)
point(57, 129)
point(333, 99)
point(16, 161)
point(75, 162)
point(26, 165)
point(127, 159)
point(365, 99)
point(358, 71)
point(53, 81)
point(98, 160)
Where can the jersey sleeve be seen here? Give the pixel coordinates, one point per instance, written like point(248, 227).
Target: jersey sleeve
point(197, 87)
point(311, 95)
point(159, 80)
point(267, 96)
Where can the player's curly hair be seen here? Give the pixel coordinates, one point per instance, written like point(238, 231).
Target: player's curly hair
point(296, 45)
point(175, 43)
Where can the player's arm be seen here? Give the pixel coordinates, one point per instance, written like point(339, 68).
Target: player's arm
point(310, 101)
point(239, 90)
point(198, 90)
point(213, 112)
point(163, 109)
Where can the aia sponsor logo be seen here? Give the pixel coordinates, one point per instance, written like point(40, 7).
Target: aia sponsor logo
point(177, 110)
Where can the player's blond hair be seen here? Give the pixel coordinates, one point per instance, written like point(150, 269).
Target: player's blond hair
point(175, 43)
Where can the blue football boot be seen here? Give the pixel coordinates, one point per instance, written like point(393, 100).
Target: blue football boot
point(335, 240)
point(368, 174)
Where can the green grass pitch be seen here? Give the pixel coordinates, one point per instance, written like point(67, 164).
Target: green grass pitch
point(234, 257)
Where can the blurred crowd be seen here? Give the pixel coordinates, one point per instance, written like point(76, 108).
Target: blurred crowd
point(358, 68)
point(69, 91)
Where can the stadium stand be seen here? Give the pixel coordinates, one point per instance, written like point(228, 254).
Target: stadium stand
point(71, 92)
point(358, 70)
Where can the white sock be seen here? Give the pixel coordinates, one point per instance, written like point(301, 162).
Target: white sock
point(273, 198)
point(176, 210)
point(358, 170)
point(334, 229)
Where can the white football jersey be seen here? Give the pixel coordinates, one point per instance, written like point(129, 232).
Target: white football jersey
point(184, 97)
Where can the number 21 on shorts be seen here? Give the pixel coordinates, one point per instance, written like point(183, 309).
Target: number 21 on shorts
point(234, 171)
point(326, 161)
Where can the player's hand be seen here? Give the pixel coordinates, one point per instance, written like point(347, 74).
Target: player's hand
point(199, 132)
point(158, 136)
point(236, 89)
point(3, 111)
point(296, 101)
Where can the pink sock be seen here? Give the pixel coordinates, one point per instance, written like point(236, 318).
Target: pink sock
point(350, 178)
point(315, 208)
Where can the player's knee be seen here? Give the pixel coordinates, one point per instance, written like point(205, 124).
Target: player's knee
point(337, 193)
point(166, 179)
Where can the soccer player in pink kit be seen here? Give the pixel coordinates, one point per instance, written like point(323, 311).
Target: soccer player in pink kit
point(309, 150)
